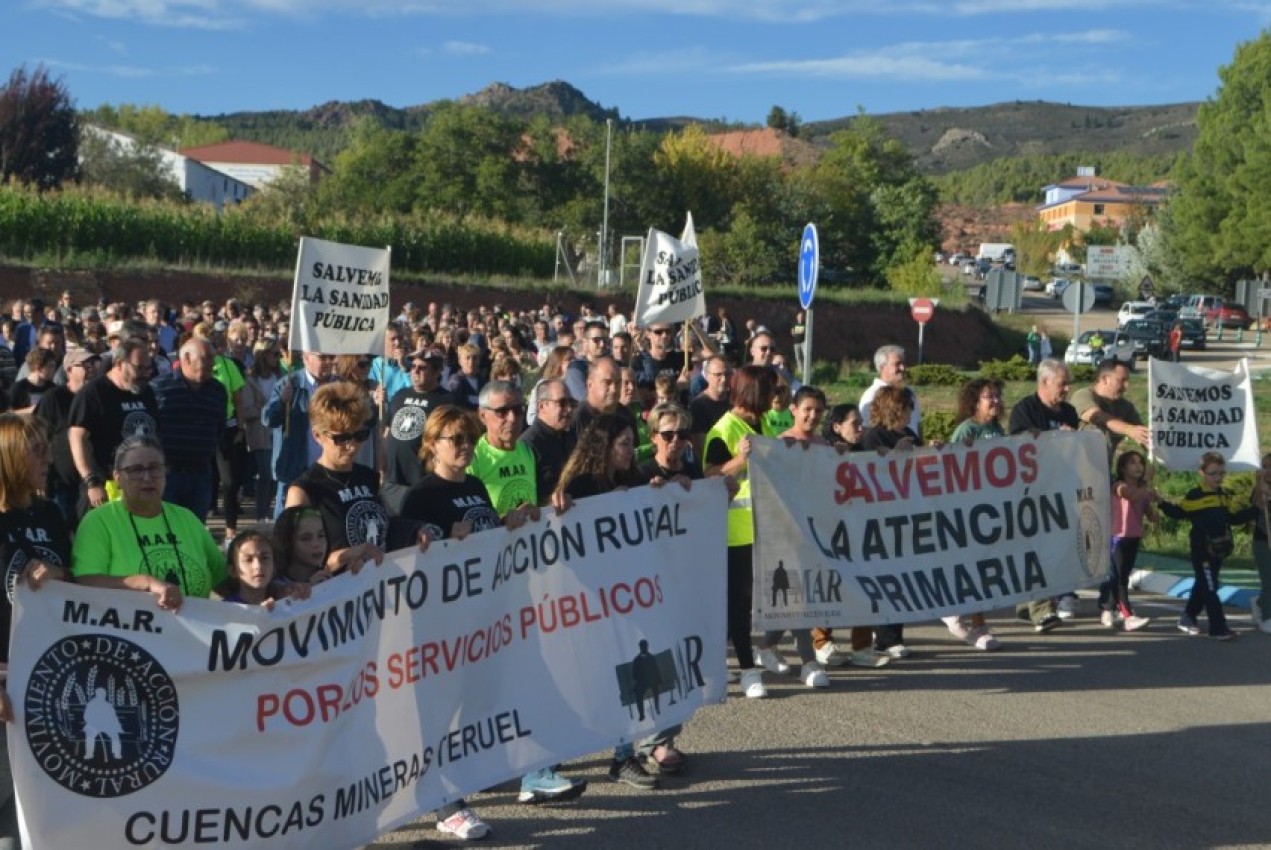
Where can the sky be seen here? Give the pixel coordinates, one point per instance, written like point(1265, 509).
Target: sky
point(710, 59)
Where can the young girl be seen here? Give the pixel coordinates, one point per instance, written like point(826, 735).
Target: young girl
point(301, 543)
point(1212, 512)
point(250, 577)
point(1132, 498)
point(779, 418)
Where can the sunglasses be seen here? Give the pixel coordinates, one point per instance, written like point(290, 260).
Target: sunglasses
point(668, 436)
point(460, 440)
point(359, 436)
point(512, 409)
point(659, 331)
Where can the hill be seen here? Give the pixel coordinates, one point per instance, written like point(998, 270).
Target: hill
point(941, 140)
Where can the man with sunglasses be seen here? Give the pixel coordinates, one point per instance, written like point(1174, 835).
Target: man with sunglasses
point(661, 359)
point(549, 436)
point(503, 464)
point(293, 448)
point(407, 413)
point(595, 337)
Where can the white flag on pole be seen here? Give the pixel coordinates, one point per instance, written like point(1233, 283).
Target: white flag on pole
point(1193, 410)
point(689, 236)
point(670, 279)
point(339, 304)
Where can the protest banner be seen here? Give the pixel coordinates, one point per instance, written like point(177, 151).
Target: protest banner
point(339, 304)
point(330, 721)
point(670, 289)
point(1193, 410)
point(863, 539)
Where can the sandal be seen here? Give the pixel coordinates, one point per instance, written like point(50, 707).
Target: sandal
point(668, 758)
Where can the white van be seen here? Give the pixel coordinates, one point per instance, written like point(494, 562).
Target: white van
point(1198, 305)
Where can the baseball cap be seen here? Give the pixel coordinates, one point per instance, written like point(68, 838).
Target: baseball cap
point(76, 356)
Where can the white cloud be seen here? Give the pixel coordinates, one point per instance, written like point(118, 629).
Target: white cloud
point(676, 62)
point(188, 14)
point(464, 48)
point(131, 71)
point(879, 64)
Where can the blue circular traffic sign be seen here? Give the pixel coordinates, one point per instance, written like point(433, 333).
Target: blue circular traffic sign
point(809, 265)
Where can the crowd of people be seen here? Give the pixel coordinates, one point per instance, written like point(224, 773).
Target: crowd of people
point(131, 424)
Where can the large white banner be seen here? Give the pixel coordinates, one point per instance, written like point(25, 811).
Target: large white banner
point(670, 280)
point(1192, 410)
point(328, 722)
point(861, 539)
point(339, 304)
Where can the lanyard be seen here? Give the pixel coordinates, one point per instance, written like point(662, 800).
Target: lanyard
point(170, 577)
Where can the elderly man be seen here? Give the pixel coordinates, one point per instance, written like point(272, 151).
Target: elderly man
point(116, 405)
point(1044, 410)
point(889, 362)
point(407, 413)
point(293, 448)
point(191, 423)
point(549, 437)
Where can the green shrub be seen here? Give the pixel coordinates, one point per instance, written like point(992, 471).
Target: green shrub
point(938, 425)
point(1080, 373)
point(1015, 369)
point(935, 375)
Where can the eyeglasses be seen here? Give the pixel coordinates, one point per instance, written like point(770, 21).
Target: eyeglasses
point(359, 436)
point(668, 436)
point(460, 440)
point(140, 471)
point(563, 401)
point(659, 331)
point(506, 410)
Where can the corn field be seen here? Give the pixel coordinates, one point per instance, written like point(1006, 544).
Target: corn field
point(73, 224)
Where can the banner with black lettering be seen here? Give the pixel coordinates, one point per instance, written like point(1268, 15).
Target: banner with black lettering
point(328, 722)
point(862, 539)
point(1193, 410)
point(339, 304)
point(670, 288)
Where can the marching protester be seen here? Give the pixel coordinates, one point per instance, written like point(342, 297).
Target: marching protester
point(595, 341)
point(191, 421)
point(344, 492)
point(1260, 607)
point(554, 365)
point(300, 543)
point(805, 418)
point(108, 409)
point(263, 375)
point(27, 391)
point(889, 362)
point(1212, 511)
point(54, 410)
point(727, 452)
point(251, 571)
point(712, 402)
point(1132, 498)
point(603, 389)
point(390, 370)
point(549, 436)
point(1047, 409)
point(465, 382)
point(355, 369)
point(844, 426)
point(140, 542)
point(286, 414)
point(407, 413)
point(25, 518)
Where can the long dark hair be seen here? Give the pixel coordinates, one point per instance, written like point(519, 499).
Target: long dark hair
point(591, 455)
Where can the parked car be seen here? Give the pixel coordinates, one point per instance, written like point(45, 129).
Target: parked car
point(1151, 339)
point(1165, 317)
point(1068, 268)
point(1229, 316)
point(1056, 287)
point(1194, 334)
point(957, 258)
point(1132, 310)
point(1032, 284)
point(1197, 306)
point(1116, 345)
point(1103, 295)
point(1174, 302)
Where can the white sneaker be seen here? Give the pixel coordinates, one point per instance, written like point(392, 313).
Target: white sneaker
point(984, 640)
point(752, 684)
point(813, 676)
point(1133, 623)
point(899, 651)
point(869, 658)
point(830, 656)
point(1066, 607)
point(464, 825)
point(956, 627)
point(1255, 612)
point(1108, 619)
point(770, 661)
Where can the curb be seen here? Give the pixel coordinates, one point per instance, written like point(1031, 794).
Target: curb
point(1171, 585)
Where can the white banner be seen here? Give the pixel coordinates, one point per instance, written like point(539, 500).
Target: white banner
point(339, 304)
point(670, 280)
point(862, 539)
point(329, 722)
point(1192, 410)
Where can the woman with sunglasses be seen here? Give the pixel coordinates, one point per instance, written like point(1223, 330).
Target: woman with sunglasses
point(670, 429)
point(344, 491)
point(356, 369)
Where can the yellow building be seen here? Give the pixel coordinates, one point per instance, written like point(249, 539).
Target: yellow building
point(1086, 200)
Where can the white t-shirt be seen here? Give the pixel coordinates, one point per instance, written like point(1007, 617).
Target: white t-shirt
point(617, 324)
point(915, 419)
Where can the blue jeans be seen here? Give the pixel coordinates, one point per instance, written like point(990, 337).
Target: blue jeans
point(190, 490)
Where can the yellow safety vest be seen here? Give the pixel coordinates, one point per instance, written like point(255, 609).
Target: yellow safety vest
point(741, 527)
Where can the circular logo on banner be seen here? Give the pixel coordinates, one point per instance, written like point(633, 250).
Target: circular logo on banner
point(408, 423)
point(101, 716)
point(1094, 543)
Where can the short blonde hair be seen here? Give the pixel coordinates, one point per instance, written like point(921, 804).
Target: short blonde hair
point(339, 407)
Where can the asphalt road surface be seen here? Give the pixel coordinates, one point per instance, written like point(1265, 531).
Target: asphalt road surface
point(1083, 737)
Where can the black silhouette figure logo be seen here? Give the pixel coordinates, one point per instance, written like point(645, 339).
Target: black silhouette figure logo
point(645, 679)
point(780, 584)
point(101, 716)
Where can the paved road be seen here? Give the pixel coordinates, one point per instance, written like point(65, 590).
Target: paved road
point(1080, 738)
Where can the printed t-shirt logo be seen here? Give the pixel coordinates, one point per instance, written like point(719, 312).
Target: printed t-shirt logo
point(366, 522)
point(408, 423)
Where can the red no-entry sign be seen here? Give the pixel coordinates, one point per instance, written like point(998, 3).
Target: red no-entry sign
point(922, 309)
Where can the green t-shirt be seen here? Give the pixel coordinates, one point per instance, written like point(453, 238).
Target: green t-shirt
point(976, 430)
point(173, 547)
point(227, 372)
point(510, 477)
point(777, 422)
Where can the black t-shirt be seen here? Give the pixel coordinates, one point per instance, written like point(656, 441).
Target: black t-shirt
point(706, 412)
point(407, 414)
point(651, 469)
point(110, 414)
point(885, 438)
point(550, 449)
point(35, 533)
point(55, 409)
point(349, 504)
point(436, 504)
point(647, 368)
point(1029, 413)
point(23, 393)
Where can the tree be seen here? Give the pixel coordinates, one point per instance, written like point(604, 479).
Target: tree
point(1218, 225)
point(136, 170)
point(39, 130)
